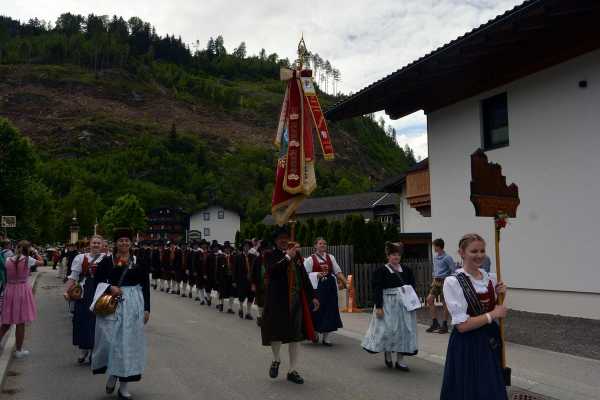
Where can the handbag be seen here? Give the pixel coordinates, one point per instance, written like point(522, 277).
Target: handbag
point(107, 303)
point(409, 298)
point(75, 292)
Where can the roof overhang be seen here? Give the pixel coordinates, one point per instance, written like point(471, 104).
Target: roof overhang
point(522, 41)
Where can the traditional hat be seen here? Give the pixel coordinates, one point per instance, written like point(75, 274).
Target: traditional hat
point(214, 244)
point(393, 247)
point(281, 231)
point(204, 242)
point(227, 245)
point(123, 232)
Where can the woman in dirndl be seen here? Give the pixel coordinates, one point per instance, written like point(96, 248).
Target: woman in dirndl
point(120, 347)
point(392, 329)
point(83, 271)
point(473, 369)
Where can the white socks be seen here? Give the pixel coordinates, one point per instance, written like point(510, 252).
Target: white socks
point(294, 353)
point(325, 336)
point(276, 348)
point(123, 389)
point(260, 311)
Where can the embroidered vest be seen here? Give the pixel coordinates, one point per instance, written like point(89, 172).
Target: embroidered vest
point(322, 265)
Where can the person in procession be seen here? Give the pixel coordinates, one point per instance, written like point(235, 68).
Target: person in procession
point(443, 266)
point(19, 307)
point(243, 269)
point(183, 277)
point(155, 266)
point(473, 360)
point(325, 273)
point(120, 348)
point(393, 325)
point(286, 317)
point(83, 272)
point(205, 279)
point(258, 278)
point(225, 278)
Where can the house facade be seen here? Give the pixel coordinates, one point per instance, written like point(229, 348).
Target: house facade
point(166, 224)
point(216, 223)
point(525, 89)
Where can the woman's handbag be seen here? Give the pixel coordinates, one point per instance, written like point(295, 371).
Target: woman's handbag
point(107, 303)
point(75, 292)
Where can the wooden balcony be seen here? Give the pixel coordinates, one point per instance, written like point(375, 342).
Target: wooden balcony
point(417, 188)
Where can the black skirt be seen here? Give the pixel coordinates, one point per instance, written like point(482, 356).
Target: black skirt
point(84, 320)
point(473, 370)
point(327, 317)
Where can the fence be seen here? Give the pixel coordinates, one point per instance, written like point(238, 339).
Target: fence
point(363, 280)
point(362, 273)
point(344, 255)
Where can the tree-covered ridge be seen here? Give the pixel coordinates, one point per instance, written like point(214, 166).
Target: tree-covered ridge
point(174, 127)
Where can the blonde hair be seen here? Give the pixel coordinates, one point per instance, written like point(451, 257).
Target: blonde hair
point(469, 238)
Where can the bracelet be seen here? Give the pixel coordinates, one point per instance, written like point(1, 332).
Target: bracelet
point(489, 318)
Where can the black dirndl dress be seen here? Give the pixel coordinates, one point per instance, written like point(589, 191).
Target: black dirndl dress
point(84, 320)
point(327, 317)
point(473, 368)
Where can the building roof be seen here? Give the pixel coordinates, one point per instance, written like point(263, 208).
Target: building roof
point(351, 202)
point(394, 185)
point(532, 36)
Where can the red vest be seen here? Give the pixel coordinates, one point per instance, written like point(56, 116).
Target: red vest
point(322, 265)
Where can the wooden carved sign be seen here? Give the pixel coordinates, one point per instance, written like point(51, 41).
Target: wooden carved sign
point(489, 193)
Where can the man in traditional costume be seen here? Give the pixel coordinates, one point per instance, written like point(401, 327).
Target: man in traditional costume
point(259, 269)
point(155, 267)
point(243, 274)
point(216, 262)
point(204, 285)
point(226, 281)
point(286, 317)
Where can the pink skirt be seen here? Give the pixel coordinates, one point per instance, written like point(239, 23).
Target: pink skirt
point(19, 304)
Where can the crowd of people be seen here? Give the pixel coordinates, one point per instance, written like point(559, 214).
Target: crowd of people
point(109, 287)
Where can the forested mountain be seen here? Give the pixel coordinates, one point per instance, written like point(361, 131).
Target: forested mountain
point(110, 107)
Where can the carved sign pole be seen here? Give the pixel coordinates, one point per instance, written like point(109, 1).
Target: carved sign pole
point(491, 197)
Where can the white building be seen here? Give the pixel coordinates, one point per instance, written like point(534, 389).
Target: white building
point(525, 88)
point(216, 223)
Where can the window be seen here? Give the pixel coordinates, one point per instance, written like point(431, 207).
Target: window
point(206, 232)
point(494, 113)
point(221, 214)
point(206, 216)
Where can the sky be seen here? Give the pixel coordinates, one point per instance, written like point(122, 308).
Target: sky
point(365, 39)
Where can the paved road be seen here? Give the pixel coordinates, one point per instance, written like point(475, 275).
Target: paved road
point(197, 353)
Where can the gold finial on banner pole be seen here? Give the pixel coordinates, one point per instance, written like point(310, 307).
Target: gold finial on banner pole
point(302, 52)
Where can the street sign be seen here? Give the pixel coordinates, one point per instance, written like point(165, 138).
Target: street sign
point(9, 221)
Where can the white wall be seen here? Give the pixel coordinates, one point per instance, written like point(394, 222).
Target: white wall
point(220, 229)
point(553, 156)
point(410, 219)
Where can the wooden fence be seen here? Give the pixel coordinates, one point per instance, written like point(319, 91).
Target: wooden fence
point(362, 273)
point(363, 280)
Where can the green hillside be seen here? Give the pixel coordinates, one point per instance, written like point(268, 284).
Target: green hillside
point(110, 108)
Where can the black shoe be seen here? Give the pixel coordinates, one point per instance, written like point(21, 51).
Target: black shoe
point(121, 397)
point(274, 370)
point(208, 302)
point(230, 311)
point(81, 360)
point(443, 329)
point(190, 295)
point(328, 344)
point(201, 302)
point(249, 317)
point(154, 287)
point(434, 326)
point(295, 377)
point(183, 295)
point(241, 314)
point(162, 290)
point(111, 388)
point(388, 363)
point(178, 292)
point(258, 321)
point(402, 368)
point(197, 299)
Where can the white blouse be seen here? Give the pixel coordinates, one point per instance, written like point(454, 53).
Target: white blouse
point(455, 298)
point(308, 264)
point(77, 265)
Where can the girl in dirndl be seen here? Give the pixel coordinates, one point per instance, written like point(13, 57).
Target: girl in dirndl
point(392, 329)
point(83, 271)
point(120, 343)
point(473, 369)
point(19, 304)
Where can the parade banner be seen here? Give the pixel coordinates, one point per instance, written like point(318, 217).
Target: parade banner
point(300, 116)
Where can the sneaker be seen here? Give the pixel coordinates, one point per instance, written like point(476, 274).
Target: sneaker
point(435, 325)
point(295, 377)
point(21, 354)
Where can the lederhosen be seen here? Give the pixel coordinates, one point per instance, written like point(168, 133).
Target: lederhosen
point(226, 273)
